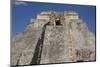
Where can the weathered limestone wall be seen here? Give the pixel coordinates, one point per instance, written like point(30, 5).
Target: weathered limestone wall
point(71, 17)
point(45, 17)
point(26, 49)
point(54, 39)
point(68, 44)
point(81, 50)
point(55, 47)
point(23, 45)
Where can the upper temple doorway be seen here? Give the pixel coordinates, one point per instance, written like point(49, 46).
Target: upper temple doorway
point(58, 22)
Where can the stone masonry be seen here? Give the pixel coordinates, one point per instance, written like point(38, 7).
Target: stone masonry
point(53, 37)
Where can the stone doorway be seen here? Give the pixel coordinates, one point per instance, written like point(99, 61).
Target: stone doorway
point(58, 22)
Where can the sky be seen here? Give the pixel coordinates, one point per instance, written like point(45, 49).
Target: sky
point(22, 12)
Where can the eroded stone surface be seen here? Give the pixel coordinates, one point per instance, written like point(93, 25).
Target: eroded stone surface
point(53, 37)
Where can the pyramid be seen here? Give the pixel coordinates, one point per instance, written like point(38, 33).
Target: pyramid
point(53, 37)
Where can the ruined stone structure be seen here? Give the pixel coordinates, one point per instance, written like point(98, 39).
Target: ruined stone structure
point(53, 37)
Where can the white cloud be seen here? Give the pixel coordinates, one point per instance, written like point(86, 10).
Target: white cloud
point(20, 3)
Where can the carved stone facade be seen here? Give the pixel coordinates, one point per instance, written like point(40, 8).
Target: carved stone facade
point(53, 37)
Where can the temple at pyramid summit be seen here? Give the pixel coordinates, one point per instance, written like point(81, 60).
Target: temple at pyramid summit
point(53, 37)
